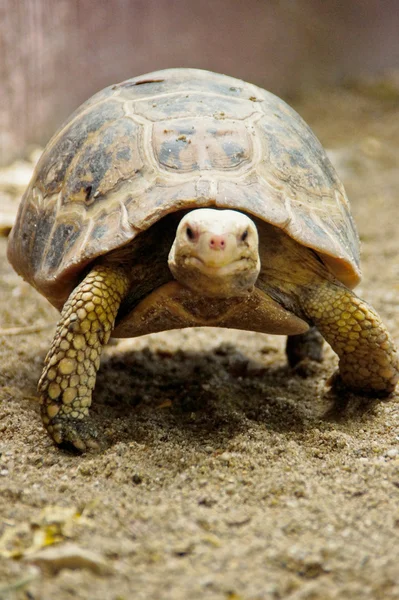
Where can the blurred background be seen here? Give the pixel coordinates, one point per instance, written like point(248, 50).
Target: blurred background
point(56, 53)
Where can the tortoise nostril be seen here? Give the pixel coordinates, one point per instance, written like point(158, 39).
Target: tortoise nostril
point(217, 242)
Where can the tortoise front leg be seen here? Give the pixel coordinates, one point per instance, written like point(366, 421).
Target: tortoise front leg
point(71, 365)
point(368, 359)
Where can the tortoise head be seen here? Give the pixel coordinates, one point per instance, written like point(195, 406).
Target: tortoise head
point(215, 253)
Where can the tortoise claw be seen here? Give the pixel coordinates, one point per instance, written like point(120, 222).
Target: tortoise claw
point(81, 434)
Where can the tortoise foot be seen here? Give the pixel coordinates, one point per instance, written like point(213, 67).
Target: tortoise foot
point(340, 388)
point(306, 348)
point(347, 403)
point(80, 434)
point(305, 353)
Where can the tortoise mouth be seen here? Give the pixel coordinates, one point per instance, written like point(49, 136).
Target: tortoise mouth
point(219, 268)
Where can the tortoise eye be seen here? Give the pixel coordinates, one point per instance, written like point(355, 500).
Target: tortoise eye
point(244, 235)
point(190, 233)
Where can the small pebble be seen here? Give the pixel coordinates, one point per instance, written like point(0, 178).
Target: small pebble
point(393, 452)
point(69, 556)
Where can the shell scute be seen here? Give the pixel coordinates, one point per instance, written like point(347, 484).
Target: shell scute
point(105, 159)
point(192, 104)
point(68, 141)
point(202, 144)
point(180, 82)
point(63, 236)
point(39, 231)
point(296, 160)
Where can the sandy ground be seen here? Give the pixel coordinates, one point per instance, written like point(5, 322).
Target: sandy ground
point(227, 476)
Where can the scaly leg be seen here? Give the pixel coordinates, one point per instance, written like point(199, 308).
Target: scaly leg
point(71, 365)
point(368, 359)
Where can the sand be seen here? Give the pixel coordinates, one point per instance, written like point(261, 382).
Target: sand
point(227, 476)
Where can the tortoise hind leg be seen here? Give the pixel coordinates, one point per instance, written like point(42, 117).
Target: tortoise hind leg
point(368, 359)
point(304, 347)
point(71, 365)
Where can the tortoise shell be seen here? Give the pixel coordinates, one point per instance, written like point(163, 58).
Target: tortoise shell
point(172, 140)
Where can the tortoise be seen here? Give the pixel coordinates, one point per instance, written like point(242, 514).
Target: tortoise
point(188, 198)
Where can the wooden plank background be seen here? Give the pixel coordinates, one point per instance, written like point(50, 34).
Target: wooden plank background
point(56, 53)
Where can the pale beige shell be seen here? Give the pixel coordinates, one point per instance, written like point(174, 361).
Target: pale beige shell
point(169, 140)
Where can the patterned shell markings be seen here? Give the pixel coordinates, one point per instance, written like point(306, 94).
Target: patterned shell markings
point(168, 140)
